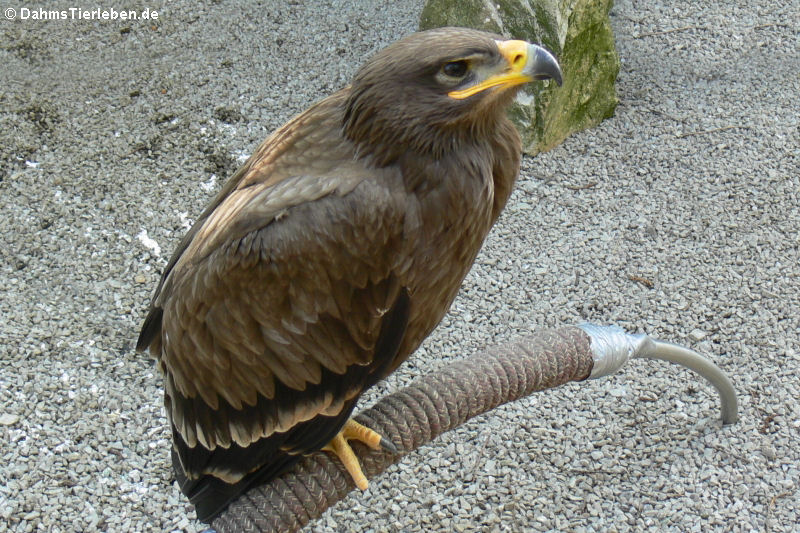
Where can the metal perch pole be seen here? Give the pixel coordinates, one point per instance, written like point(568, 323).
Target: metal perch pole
point(441, 401)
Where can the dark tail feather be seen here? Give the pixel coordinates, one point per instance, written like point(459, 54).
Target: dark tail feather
point(210, 496)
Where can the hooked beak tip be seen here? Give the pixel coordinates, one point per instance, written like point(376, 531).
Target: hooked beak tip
point(541, 65)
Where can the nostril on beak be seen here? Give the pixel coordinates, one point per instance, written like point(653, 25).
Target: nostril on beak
point(517, 59)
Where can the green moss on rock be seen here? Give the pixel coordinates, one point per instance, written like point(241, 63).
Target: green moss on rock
point(578, 32)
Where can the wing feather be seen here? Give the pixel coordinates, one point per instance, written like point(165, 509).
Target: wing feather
point(237, 326)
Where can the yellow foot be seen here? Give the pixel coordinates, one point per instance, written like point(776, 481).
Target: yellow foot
point(339, 447)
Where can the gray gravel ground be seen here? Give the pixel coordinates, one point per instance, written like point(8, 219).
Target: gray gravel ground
point(678, 217)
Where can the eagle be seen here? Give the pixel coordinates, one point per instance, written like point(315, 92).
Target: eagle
point(330, 255)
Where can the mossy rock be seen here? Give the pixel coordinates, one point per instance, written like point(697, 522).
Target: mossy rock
point(578, 33)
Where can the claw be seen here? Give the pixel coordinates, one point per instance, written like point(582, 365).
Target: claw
point(388, 445)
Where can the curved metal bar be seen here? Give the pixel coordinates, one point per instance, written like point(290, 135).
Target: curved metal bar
point(692, 360)
point(612, 347)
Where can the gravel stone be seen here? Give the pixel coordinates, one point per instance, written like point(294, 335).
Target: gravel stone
point(7, 419)
point(114, 135)
point(697, 335)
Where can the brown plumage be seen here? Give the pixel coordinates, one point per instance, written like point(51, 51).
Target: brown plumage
point(331, 254)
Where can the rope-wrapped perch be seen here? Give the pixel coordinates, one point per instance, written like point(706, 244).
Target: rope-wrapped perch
point(429, 407)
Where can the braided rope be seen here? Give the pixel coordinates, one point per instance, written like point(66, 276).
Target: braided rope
point(410, 418)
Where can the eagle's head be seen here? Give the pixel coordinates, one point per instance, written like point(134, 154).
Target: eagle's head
point(432, 88)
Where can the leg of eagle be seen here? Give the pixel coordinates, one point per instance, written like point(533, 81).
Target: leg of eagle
point(331, 254)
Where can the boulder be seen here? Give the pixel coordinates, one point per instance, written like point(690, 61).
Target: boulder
point(577, 32)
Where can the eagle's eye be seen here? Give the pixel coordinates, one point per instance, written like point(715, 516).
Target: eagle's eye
point(455, 69)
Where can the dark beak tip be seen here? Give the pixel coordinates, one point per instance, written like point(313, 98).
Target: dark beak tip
point(546, 67)
point(555, 76)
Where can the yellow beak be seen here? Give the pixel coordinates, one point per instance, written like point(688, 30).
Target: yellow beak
point(525, 62)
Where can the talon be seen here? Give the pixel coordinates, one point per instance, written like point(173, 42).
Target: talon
point(352, 430)
point(389, 446)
